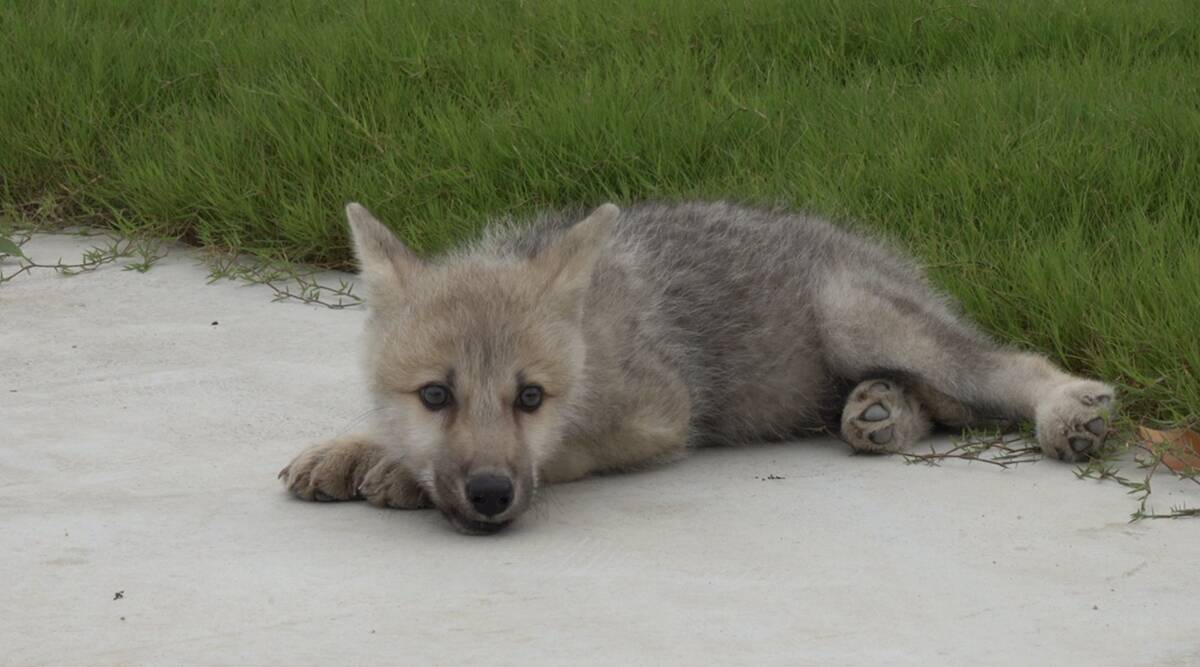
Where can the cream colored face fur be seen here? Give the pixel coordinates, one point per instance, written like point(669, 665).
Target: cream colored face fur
point(484, 331)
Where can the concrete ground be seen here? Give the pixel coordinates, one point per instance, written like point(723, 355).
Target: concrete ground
point(143, 418)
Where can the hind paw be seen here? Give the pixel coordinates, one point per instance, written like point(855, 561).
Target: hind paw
point(881, 416)
point(1074, 422)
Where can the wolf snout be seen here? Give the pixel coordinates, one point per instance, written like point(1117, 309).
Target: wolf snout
point(490, 494)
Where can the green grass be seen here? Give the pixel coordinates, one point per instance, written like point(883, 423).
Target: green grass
point(1041, 157)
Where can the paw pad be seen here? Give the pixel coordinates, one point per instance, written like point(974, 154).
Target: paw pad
point(882, 416)
point(875, 413)
point(883, 435)
point(1073, 422)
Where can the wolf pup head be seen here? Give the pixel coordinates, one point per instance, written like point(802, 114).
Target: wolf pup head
point(475, 361)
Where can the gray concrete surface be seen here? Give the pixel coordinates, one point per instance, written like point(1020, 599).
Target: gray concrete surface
point(139, 443)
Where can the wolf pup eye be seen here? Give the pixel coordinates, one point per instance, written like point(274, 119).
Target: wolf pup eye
point(530, 398)
point(435, 396)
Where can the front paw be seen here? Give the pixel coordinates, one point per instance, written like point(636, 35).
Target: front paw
point(1072, 424)
point(390, 484)
point(331, 470)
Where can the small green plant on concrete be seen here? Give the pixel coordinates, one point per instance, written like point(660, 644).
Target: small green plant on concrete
point(290, 281)
point(991, 446)
point(1149, 459)
point(147, 253)
point(53, 213)
point(1007, 449)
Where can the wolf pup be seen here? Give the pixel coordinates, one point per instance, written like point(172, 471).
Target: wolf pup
point(612, 341)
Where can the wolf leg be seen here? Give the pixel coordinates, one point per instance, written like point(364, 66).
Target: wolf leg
point(352, 468)
point(631, 447)
point(883, 416)
point(871, 327)
point(653, 427)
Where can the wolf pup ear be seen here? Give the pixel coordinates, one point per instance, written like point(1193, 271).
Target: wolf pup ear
point(384, 262)
point(573, 257)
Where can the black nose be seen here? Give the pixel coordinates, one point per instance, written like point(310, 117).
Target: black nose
point(490, 494)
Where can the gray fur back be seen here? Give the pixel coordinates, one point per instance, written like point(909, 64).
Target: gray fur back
point(726, 295)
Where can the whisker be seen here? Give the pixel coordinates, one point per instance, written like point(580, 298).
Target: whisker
point(357, 420)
